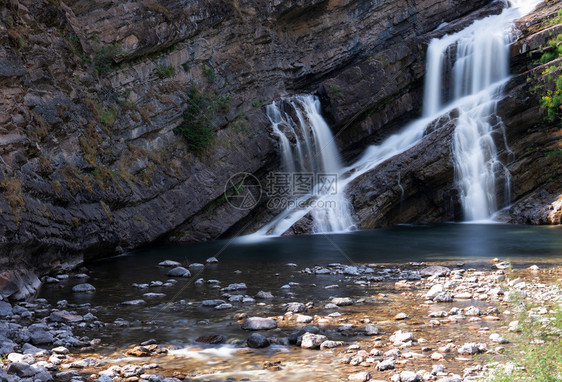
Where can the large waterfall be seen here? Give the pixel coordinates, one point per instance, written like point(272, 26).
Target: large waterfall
point(464, 71)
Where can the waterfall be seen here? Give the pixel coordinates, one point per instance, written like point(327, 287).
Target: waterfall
point(308, 151)
point(473, 63)
point(479, 57)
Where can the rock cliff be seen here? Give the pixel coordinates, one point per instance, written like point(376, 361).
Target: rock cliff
point(91, 92)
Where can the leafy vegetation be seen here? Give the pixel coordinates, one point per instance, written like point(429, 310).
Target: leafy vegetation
point(165, 71)
point(536, 349)
point(104, 58)
point(554, 50)
point(199, 117)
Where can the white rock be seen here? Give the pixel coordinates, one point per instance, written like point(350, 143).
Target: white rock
point(312, 341)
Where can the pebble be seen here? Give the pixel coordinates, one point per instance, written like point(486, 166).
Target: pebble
point(83, 288)
point(169, 263)
point(401, 316)
point(179, 272)
point(312, 341)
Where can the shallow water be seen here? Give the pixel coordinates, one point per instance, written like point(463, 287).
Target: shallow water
point(264, 265)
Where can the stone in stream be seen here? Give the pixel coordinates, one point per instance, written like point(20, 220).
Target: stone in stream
point(401, 336)
point(236, 286)
point(329, 344)
point(213, 340)
point(129, 371)
point(179, 272)
point(83, 288)
point(212, 260)
point(370, 330)
point(133, 302)
point(410, 376)
point(401, 316)
point(472, 311)
point(212, 303)
point(296, 307)
point(257, 341)
point(259, 323)
point(22, 370)
point(5, 309)
point(169, 263)
point(64, 316)
point(312, 341)
point(196, 266)
point(434, 291)
point(471, 348)
point(443, 297)
point(362, 376)
point(264, 295)
point(435, 270)
point(154, 295)
point(224, 306)
point(499, 339)
point(387, 364)
point(60, 350)
point(342, 301)
point(39, 335)
point(104, 378)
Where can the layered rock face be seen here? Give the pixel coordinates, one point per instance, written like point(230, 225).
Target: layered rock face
point(92, 90)
point(418, 186)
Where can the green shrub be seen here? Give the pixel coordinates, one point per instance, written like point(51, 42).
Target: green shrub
point(165, 71)
point(199, 117)
point(104, 58)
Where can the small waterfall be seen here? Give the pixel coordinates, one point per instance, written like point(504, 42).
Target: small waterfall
point(308, 148)
point(473, 63)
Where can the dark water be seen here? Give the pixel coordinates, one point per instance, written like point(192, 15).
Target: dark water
point(263, 266)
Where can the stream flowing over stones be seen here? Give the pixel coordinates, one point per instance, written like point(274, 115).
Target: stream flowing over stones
point(253, 190)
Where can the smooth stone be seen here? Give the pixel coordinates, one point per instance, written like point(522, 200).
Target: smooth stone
point(370, 330)
point(312, 341)
point(362, 376)
point(498, 338)
point(83, 288)
point(258, 323)
point(179, 272)
point(64, 316)
point(410, 376)
point(154, 295)
point(22, 370)
point(169, 263)
point(387, 364)
point(5, 309)
point(401, 336)
point(401, 316)
point(342, 301)
point(212, 303)
point(236, 286)
point(435, 270)
point(257, 341)
point(443, 297)
point(434, 291)
point(104, 378)
point(212, 260)
point(213, 340)
point(196, 266)
point(224, 306)
point(329, 344)
point(133, 302)
point(264, 295)
point(60, 350)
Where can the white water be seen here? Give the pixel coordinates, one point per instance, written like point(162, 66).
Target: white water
point(476, 82)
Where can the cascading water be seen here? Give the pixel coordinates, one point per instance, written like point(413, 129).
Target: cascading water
point(304, 134)
point(480, 69)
